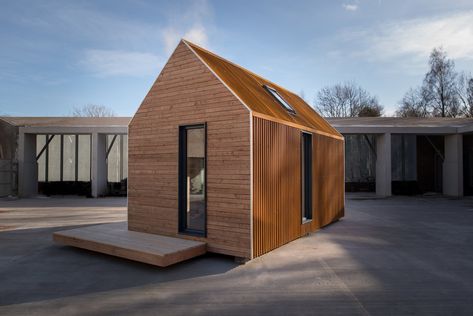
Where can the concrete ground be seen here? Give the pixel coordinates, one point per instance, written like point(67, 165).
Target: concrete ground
point(55, 212)
point(398, 256)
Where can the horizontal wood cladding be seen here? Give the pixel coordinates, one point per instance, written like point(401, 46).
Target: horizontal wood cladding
point(277, 184)
point(186, 93)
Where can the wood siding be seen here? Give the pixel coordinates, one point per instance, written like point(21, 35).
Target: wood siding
point(116, 240)
point(277, 184)
point(328, 182)
point(185, 93)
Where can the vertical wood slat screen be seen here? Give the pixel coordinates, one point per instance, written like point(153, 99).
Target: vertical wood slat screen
point(277, 184)
point(329, 181)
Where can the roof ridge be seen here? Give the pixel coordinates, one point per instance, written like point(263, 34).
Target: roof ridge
point(192, 48)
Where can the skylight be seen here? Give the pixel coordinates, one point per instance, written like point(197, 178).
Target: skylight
point(280, 99)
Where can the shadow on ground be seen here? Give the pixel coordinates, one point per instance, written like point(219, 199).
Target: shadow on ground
point(34, 268)
point(386, 257)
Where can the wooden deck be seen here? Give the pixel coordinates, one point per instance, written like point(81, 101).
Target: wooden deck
point(115, 239)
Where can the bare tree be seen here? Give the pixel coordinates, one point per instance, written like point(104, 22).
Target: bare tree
point(347, 100)
point(92, 110)
point(440, 85)
point(414, 104)
point(443, 92)
point(465, 94)
point(374, 110)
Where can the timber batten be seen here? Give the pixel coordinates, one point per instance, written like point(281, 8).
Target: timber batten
point(276, 205)
point(277, 216)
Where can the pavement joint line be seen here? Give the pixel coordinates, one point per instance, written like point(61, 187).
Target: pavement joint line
point(345, 288)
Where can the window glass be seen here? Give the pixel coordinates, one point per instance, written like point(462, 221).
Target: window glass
point(40, 142)
point(192, 179)
point(84, 158)
point(54, 158)
point(280, 99)
point(306, 176)
point(69, 158)
point(195, 178)
point(113, 159)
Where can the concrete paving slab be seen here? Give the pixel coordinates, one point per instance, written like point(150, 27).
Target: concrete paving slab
point(44, 212)
point(396, 256)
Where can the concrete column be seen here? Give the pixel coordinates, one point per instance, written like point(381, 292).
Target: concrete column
point(453, 165)
point(98, 165)
point(27, 166)
point(383, 164)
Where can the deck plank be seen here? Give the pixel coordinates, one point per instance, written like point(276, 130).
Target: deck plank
point(115, 239)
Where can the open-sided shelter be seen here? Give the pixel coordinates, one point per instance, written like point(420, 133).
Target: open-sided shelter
point(222, 156)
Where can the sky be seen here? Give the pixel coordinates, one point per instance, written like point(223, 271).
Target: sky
point(57, 55)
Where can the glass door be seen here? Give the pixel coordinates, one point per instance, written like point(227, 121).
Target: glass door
point(306, 176)
point(192, 179)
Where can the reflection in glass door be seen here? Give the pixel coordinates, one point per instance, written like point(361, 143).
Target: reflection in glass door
point(192, 182)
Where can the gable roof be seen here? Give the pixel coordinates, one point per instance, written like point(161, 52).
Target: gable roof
point(249, 88)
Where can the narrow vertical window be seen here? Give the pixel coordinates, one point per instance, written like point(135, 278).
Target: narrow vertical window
point(306, 176)
point(192, 179)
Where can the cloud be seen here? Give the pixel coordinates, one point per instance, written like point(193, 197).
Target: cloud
point(105, 43)
point(350, 6)
point(104, 63)
point(191, 25)
point(86, 24)
point(197, 34)
point(171, 37)
point(416, 38)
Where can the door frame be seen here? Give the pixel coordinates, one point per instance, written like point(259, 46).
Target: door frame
point(182, 181)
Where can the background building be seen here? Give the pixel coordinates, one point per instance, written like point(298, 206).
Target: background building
point(63, 155)
point(408, 155)
point(383, 155)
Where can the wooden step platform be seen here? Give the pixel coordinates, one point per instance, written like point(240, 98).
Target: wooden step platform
point(115, 239)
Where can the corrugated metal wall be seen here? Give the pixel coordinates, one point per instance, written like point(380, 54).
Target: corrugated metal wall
point(277, 184)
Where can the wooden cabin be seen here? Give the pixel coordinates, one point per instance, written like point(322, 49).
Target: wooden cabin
point(221, 160)
point(221, 155)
